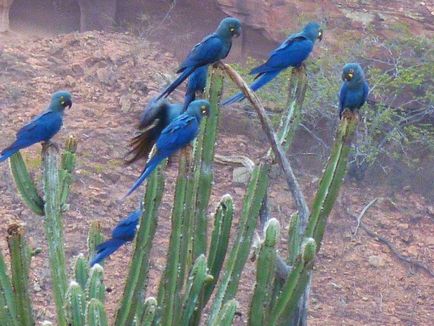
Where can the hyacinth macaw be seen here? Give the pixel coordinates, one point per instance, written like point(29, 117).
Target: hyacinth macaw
point(354, 90)
point(156, 116)
point(211, 49)
point(196, 83)
point(178, 134)
point(43, 127)
point(290, 53)
point(122, 233)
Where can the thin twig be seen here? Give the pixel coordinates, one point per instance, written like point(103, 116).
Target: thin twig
point(392, 248)
point(362, 213)
point(272, 138)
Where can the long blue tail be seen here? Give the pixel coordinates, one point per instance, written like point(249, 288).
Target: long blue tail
point(8, 152)
point(150, 166)
point(169, 89)
point(257, 84)
point(105, 249)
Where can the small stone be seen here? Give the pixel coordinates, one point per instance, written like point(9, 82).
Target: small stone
point(240, 175)
point(412, 250)
point(70, 81)
point(37, 287)
point(125, 103)
point(376, 261)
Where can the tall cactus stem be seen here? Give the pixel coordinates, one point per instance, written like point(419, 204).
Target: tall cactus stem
point(294, 238)
point(75, 304)
point(139, 266)
point(20, 264)
point(94, 238)
point(8, 311)
point(96, 314)
point(265, 271)
point(54, 230)
point(170, 283)
point(240, 250)
point(295, 284)
point(95, 287)
point(227, 314)
point(66, 168)
point(332, 178)
point(81, 270)
point(203, 176)
point(26, 187)
point(149, 310)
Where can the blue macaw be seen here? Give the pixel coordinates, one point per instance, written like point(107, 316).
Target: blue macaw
point(196, 83)
point(178, 134)
point(213, 48)
point(124, 232)
point(156, 116)
point(43, 127)
point(354, 90)
point(291, 53)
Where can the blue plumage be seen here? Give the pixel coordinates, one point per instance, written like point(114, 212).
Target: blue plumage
point(43, 127)
point(178, 134)
point(290, 53)
point(354, 90)
point(214, 47)
point(124, 232)
point(156, 116)
point(196, 83)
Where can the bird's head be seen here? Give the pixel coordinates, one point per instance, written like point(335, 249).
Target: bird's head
point(60, 100)
point(313, 31)
point(199, 108)
point(229, 27)
point(352, 73)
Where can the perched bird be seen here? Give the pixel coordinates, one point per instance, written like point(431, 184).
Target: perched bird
point(354, 90)
point(178, 134)
point(43, 127)
point(121, 234)
point(196, 83)
point(290, 53)
point(156, 116)
point(214, 47)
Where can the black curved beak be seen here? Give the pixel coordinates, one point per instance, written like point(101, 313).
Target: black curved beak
point(237, 32)
point(68, 103)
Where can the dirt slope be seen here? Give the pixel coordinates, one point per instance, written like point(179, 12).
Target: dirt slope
point(358, 281)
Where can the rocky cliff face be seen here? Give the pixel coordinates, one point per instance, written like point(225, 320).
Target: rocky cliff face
point(272, 18)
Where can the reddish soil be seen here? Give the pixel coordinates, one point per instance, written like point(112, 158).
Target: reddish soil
point(357, 280)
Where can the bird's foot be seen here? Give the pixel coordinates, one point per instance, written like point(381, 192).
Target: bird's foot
point(48, 144)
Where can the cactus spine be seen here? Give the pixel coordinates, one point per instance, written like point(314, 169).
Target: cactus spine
point(149, 310)
point(226, 314)
point(95, 314)
point(81, 270)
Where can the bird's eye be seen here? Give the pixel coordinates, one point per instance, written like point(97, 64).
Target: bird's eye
point(232, 29)
point(319, 33)
point(62, 102)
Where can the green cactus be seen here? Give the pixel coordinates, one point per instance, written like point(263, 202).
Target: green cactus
point(219, 241)
point(66, 168)
point(294, 238)
point(139, 266)
point(149, 310)
point(196, 281)
point(95, 314)
point(203, 174)
point(295, 284)
point(8, 312)
point(75, 304)
point(25, 185)
point(332, 178)
point(265, 270)
point(54, 229)
point(81, 270)
point(94, 238)
point(95, 287)
point(168, 294)
point(20, 264)
point(226, 314)
point(240, 250)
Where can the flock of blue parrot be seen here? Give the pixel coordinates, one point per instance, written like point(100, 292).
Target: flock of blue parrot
point(166, 127)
